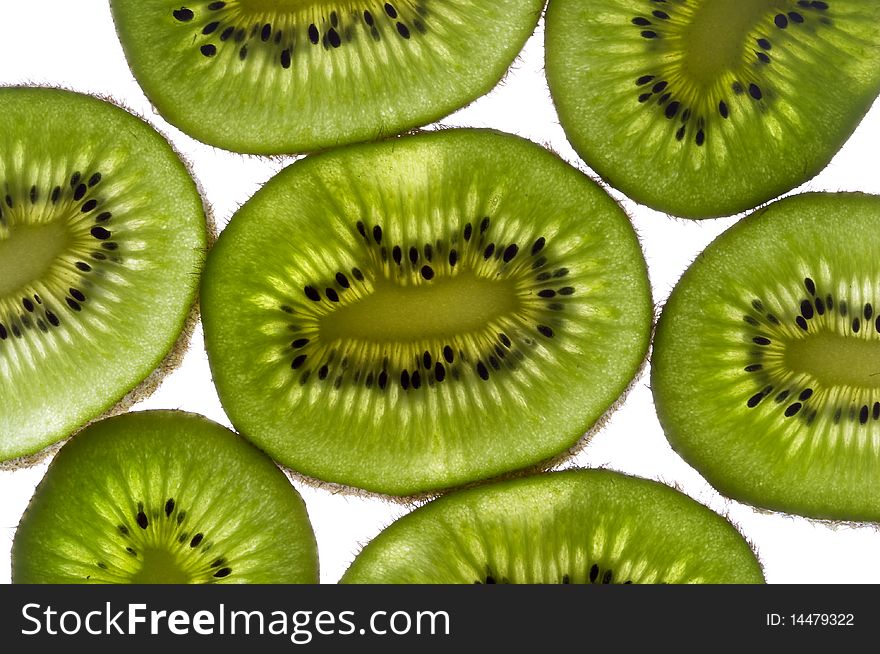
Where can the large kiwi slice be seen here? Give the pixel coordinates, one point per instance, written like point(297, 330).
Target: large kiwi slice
point(709, 107)
point(163, 497)
point(277, 76)
point(424, 312)
point(102, 237)
point(573, 527)
point(766, 364)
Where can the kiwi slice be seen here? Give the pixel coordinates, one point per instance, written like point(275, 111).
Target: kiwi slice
point(281, 76)
point(424, 312)
point(765, 364)
point(163, 497)
point(102, 238)
point(705, 108)
point(572, 527)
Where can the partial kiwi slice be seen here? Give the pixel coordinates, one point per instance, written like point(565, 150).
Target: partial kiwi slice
point(572, 527)
point(765, 364)
point(102, 238)
point(424, 312)
point(282, 76)
point(705, 108)
point(163, 497)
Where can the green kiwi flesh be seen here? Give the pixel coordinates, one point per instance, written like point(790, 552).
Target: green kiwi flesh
point(102, 237)
point(424, 312)
point(710, 107)
point(765, 362)
point(283, 76)
point(163, 497)
point(572, 527)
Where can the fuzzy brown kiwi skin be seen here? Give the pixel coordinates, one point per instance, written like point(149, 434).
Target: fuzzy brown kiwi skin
point(175, 356)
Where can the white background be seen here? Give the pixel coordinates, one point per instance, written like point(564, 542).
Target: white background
point(73, 44)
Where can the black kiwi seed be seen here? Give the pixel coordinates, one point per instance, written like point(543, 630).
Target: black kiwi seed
point(806, 309)
point(538, 245)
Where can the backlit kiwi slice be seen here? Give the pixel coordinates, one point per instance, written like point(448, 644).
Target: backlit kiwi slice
point(275, 76)
point(709, 107)
point(424, 312)
point(766, 364)
point(573, 527)
point(102, 237)
point(163, 497)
